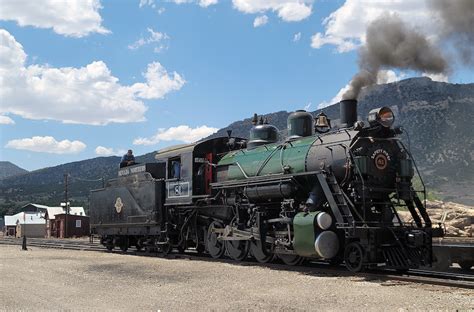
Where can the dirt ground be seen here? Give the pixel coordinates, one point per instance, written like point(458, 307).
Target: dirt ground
point(48, 279)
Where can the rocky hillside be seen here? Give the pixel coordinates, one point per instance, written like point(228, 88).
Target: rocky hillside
point(435, 115)
point(7, 169)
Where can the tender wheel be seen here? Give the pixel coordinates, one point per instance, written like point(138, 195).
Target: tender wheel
point(261, 252)
point(213, 246)
point(109, 247)
point(291, 259)
point(466, 265)
point(237, 249)
point(124, 244)
point(354, 257)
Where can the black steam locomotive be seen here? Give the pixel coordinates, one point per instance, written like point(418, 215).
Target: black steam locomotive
point(318, 193)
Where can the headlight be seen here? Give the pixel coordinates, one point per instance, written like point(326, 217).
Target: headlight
point(383, 116)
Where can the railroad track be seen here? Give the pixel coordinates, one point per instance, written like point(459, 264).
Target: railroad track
point(450, 279)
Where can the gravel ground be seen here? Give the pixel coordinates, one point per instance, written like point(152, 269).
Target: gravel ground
point(48, 279)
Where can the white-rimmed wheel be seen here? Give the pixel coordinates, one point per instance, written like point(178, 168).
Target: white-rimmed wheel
point(237, 249)
point(214, 246)
point(261, 252)
point(291, 259)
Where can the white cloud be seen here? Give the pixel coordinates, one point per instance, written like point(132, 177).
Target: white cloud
point(436, 77)
point(5, 120)
point(153, 37)
point(159, 83)
point(336, 98)
point(297, 37)
point(201, 3)
point(108, 151)
point(47, 144)
point(345, 27)
point(85, 95)
point(389, 76)
point(206, 3)
point(180, 133)
point(146, 2)
point(260, 21)
point(287, 10)
point(74, 18)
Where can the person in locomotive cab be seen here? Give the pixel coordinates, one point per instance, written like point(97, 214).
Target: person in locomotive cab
point(176, 169)
point(127, 159)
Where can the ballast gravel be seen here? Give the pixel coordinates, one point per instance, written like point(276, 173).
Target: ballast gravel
point(49, 279)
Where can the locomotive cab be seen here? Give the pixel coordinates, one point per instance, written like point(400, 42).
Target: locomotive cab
point(190, 168)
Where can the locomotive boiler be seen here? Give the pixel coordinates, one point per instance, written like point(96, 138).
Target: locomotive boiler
point(319, 192)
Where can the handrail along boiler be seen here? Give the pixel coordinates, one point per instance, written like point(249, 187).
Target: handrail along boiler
point(319, 193)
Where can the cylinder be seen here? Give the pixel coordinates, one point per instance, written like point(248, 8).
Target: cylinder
point(348, 112)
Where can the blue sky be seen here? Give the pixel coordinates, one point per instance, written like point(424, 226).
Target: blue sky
point(214, 67)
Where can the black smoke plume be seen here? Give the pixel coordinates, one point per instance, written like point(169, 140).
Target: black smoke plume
point(457, 21)
point(392, 44)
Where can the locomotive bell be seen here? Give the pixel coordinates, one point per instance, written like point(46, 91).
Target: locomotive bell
point(323, 123)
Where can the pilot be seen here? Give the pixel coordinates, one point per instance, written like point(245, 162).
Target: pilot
point(127, 159)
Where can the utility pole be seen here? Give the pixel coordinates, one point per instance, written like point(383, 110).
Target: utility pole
point(66, 199)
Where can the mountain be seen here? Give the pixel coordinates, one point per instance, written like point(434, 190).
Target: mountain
point(7, 169)
point(436, 118)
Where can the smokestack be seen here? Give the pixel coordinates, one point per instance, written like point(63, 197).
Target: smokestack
point(348, 112)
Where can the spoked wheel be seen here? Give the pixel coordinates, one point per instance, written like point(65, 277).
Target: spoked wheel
point(354, 257)
point(261, 252)
point(214, 246)
point(237, 249)
point(291, 259)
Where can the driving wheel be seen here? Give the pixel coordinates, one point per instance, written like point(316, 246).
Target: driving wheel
point(237, 249)
point(291, 259)
point(261, 252)
point(214, 246)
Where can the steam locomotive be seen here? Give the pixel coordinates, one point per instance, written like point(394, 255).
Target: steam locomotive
point(321, 192)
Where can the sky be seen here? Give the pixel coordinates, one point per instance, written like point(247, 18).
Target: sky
point(88, 78)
